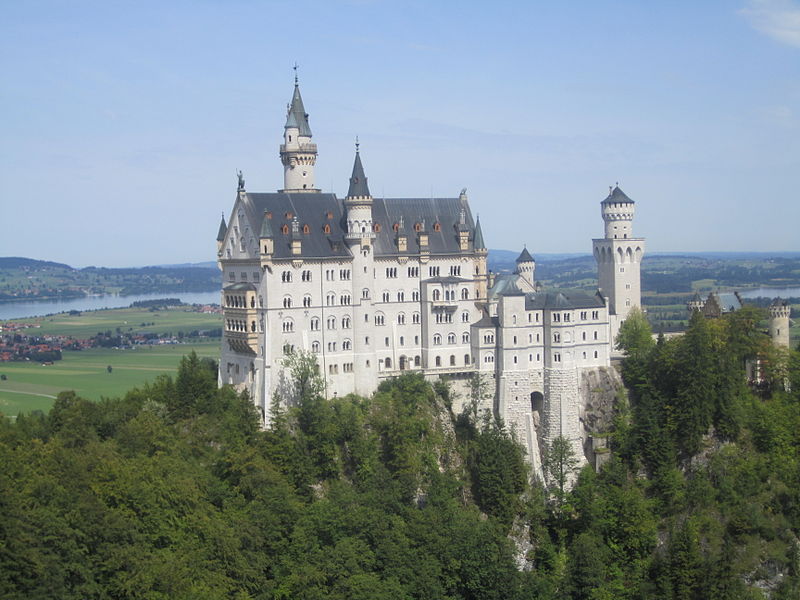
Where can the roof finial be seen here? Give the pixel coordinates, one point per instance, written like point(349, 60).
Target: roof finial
point(357, 144)
point(240, 176)
point(295, 67)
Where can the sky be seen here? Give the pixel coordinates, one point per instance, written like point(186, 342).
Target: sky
point(122, 124)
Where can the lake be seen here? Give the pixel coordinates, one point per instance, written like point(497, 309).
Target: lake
point(37, 308)
point(765, 292)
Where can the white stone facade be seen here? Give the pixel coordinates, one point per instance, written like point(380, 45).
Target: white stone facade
point(377, 287)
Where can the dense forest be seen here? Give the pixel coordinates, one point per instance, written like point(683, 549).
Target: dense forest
point(175, 492)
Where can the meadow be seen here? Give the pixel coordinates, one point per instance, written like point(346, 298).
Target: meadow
point(32, 386)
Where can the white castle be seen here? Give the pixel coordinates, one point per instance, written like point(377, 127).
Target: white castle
point(375, 287)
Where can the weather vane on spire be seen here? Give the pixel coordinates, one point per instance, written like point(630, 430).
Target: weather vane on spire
point(295, 67)
point(357, 144)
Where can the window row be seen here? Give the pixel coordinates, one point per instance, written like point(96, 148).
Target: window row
point(451, 338)
point(232, 301)
point(239, 325)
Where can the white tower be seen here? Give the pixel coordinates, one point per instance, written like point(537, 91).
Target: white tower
point(779, 312)
point(298, 152)
point(359, 237)
point(619, 258)
point(526, 268)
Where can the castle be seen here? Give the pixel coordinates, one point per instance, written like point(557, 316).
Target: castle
point(375, 287)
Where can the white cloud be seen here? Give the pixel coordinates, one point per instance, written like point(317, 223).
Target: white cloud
point(778, 19)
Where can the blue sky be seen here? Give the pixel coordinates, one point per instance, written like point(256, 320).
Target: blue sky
point(123, 123)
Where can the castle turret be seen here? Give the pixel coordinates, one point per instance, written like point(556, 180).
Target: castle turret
point(526, 267)
point(779, 312)
point(223, 229)
point(359, 237)
point(298, 153)
point(619, 257)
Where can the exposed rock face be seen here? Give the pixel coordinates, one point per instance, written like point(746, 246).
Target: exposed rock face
point(599, 390)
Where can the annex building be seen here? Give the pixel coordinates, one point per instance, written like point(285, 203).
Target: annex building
point(375, 287)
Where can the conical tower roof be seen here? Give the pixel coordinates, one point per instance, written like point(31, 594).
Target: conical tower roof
point(358, 181)
point(616, 195)
point(223, 229)
point(298, 117)
point(524, 256)
point(478, 242)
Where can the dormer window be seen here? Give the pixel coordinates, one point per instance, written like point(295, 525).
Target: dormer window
point(289, 215)
point(306, 229)
point(285, 229)
point(437, 226)
point(377, 227)
point(417, 226)
point(326, 228)
point(329, 215)
point(396, 227)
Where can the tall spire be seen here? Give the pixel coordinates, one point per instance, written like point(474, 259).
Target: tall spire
point(297, 115)
point(479, 243)
point(358, 181)
point(223, 229)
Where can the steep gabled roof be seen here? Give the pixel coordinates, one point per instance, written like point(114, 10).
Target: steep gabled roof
point(266, 227)
point(562, 299)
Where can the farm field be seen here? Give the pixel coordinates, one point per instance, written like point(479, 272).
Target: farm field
point(139, 320)
point(32, 386)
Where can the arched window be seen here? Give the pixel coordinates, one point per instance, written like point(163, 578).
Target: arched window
point(388, 363)
point(417, 226)
point(416, 361)
point(285, 229)
point(287, 302)
point(314, 324)
point(315, 347)
point(385, 296)
point(377, 228)
point(306, 229)
point(437, 226)
point(306, 301)
point(465, 337)
point(325, 229)
point(331, 322)
point(489, 358)
point(330, 299)
point(415, 318)
point(466, 359)
point(465, 294)
point(347, 345)
point(345, 322)
point(415, 295)
point(438, 361)
point(401, 319)
point(436, 295)
point(380, 319)
point(451, 339)
point(465, 317)
point(401, 296)
point(437, 340)
point(288, 326)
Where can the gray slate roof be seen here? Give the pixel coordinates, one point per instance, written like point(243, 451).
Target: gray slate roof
point(298, 117)
point(505, 284)
point(617, 196)
point(562, 299)
point(223, 229)
point(479, 244)
point(524, 256)
point(312, 209)
point(358, 181)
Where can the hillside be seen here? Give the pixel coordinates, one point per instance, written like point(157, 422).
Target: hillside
point(174, 490)
point(29, 279)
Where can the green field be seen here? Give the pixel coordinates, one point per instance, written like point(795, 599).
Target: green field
point(90, 323)
point(32, 386)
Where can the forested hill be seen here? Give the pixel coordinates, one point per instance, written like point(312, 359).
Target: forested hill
point(174, 492)
point(25, 278)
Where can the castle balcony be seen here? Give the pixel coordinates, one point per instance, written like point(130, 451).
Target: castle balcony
point(444, 304)
point(310, 148)
point(243, 342)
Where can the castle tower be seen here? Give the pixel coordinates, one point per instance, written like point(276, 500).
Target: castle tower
point(779, 312)
point(526, 267)
point(298, 153)
point(223, 229)
point(619, 258)
point(359, 237)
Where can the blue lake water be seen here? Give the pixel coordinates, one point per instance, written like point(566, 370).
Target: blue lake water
point(37, 308)
point(764, 292)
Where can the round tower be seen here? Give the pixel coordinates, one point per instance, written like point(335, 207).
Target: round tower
point(619, 257)
point(298, 153)
point(617, 210)
point(779, 312)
